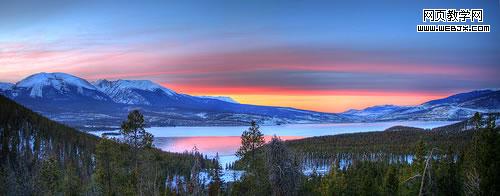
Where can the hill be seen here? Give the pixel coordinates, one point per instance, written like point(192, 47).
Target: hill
point(398, 140)
point(459, 159)
point(41, 156)
point(455, 107)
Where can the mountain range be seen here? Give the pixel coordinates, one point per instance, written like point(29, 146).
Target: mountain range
point(104, 103)
point(455, 107)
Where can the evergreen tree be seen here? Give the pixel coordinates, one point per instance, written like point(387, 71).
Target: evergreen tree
point(71, 181)
point(491, 122)
point(487, 160)
point(106, 170)
point(251, 139)
point(477, 120)
point(448, 179)
point(418, 166)
point(334, 183)
point(215, 186)
point(134, 132)
point(135, 135)
point(419, 157)
point(50, 177)
point(391, 181)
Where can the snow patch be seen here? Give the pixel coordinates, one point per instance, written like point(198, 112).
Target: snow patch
point(125, 91)
point(58, 81)
point(220, 98)
point(145, 85)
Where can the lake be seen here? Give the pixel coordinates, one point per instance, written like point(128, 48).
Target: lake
point(226, 140)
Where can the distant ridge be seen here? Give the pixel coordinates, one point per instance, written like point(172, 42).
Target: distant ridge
point(456, 107)
point(101, 104)
point(221, 98)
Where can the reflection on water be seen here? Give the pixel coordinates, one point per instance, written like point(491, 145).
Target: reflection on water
point(226, 146)
point(304, 130)
point(226, 140)
point(209, 145)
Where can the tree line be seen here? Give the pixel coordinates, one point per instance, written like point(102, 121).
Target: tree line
point(451, 160)
point(41, 157)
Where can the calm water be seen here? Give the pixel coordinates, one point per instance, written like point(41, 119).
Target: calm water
point(226, 140)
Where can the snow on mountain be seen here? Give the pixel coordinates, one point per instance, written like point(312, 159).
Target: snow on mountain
point(75, 101)
point(132, 91)
point(6, 86)
point(461, 98)
point(374, 111)
point(145, 85)
point(221, 98)
point(455, 107)
point(61, 82)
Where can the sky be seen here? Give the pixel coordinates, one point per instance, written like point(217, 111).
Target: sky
point(319, 55)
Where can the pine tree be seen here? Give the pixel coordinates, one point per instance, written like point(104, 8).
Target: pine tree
point(419, 157)
point(477, 120)
point(487, 159)
point(491, 122)
point(50, 177)
point(251, 139)
point(418, 166)
point(134, 132)
point(215, 187)
point(448, 180)
point(391, 181)
point(106, 169)
point(135, 135)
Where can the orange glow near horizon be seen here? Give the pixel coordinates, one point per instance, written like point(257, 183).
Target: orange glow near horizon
point(323, 101)
point(333, 103)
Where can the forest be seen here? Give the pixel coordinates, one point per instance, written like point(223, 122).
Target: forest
point(459, 159)
point(43, 157)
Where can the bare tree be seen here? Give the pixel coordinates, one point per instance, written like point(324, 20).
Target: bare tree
point(284, 168)
point(194, 183)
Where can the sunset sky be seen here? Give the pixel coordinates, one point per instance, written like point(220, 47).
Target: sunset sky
point(319, 55)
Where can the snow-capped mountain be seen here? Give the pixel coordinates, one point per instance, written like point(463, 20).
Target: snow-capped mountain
point(461, 98)
point(133, 92)
point(75, 101)
point(375, 111)
point(456, 107)
point(480, 99)
point(55, 93)
point(55, 87)
point(221, 98)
